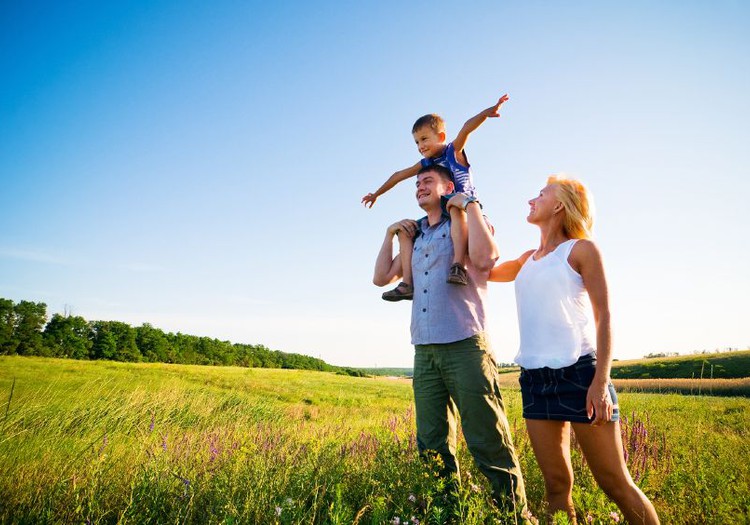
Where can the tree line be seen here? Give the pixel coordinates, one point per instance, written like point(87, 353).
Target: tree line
point(24, 330)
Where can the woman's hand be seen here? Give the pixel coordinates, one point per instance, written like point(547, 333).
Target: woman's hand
point(599, 402)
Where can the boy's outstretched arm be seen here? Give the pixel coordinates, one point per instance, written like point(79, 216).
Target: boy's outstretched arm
point(473, 123)
point(394, 179)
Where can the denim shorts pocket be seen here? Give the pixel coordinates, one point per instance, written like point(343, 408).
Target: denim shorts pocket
point(575, 378)
point(573, 387)
point(527, 394)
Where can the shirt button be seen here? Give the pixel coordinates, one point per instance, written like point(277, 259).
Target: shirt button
point(426, 273)
point(426, 254)
point(424, 309)
point(425, 291)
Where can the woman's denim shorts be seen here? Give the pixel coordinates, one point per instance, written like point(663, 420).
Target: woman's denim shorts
point(560, 393)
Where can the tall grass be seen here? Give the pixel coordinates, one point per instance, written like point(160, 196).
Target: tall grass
point(697, 387)
point(87, 442)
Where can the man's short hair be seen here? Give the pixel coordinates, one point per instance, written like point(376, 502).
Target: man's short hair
point(443, 172)
point(433, 121)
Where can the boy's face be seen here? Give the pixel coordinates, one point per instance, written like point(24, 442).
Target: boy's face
point(429, 142)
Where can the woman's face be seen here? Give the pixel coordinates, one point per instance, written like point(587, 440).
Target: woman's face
point(544, 205)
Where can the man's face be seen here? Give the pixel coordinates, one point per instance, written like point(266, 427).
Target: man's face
point(430, 187)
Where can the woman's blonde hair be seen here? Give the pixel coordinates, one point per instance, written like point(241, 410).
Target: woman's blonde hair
point(578, 204)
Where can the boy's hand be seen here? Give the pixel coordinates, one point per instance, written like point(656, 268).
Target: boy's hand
point(370, 199)
point(457, 201)
point(472, 124)
point(494, 111)
point(408, 226)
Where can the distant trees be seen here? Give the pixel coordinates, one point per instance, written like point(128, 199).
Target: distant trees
point(24, 330)
point(21, 327)
point(68, 337)
point(113, 340)
point(7, 327)
point(656, 355)
point(153, 344)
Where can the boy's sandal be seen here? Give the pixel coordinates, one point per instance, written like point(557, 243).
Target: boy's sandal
point(401, 292)
point(457, 275)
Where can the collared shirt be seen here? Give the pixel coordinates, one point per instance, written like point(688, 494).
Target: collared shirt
point(443, 312)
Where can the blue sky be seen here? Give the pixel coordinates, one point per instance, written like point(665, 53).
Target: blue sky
point(199, 166)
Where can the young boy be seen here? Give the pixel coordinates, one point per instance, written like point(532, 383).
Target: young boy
point(429, 134)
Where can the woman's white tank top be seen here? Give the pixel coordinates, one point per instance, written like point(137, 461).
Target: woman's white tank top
point(554, 312)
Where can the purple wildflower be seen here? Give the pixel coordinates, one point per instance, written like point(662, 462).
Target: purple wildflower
point(105, 441)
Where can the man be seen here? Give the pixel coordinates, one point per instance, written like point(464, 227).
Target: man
point(453, 364)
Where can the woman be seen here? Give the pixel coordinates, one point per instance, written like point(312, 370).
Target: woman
point(565, 369)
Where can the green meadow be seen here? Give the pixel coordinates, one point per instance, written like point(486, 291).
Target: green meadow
point(107, 442)
point(723, 365)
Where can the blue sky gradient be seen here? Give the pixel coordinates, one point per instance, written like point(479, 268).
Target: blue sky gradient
point(200, 166)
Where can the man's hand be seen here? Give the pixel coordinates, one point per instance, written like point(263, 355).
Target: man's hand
point(408, 226)
point(370, 199)
point(494, 111)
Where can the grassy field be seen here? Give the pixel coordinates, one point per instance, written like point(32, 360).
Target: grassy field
point(104, 442)
point(725, 365)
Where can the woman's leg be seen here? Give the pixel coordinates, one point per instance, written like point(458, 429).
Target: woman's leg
point(602, 447)
point(551, 443)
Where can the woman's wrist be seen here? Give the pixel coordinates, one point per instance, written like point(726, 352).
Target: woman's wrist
point(602, 379)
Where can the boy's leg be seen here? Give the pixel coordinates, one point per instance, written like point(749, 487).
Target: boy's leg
point(471, 378)
point(460, 238)
point(405, 289)
point(406, 248)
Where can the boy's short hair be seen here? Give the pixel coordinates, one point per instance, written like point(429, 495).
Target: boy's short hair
point(443, 172)
point(433, 121)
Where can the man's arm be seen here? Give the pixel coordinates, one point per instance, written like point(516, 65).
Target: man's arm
point(394, 179)
point(472, 124)
point(483, 251)
point(388, 267)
